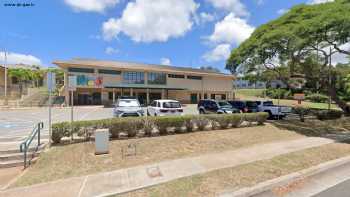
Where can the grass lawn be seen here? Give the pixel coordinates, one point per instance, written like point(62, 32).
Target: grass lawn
point(79, 159)
point(212, 183)
point(256, 94)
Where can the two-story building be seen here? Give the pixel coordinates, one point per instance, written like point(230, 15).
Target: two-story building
point(102, 82)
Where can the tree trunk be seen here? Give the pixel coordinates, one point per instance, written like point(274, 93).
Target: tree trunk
point(342, 104)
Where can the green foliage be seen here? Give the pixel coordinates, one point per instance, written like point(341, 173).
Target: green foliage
point(289, 44)
point(329, 114)
point(279, 93)
point(133, 126)
point(317, 98)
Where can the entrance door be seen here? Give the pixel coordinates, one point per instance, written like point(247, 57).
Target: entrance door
point(84, 99)
point(96, 98)
point(194, 98)
point(142, 97)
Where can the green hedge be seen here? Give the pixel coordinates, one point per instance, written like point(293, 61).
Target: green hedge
point(135, 126)
point(317, 98)
point(329, 114)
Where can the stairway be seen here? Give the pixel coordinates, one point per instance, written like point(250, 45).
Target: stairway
point(10, 155)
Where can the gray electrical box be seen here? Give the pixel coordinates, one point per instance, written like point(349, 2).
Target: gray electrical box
point(101, 141)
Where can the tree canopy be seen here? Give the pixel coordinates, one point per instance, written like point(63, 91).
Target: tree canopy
point(301, 41)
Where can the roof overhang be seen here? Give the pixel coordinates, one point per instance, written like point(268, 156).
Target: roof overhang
point(136, 67)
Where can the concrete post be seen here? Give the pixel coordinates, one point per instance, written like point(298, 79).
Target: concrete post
point(147, 99)
point(113, 95)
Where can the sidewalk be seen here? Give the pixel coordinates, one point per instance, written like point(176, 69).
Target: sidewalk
point(130, 179)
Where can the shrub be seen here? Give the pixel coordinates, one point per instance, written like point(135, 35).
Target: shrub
point(301, 111)
point(189, 123)
point(165, 122)
point(59, 130)
point(133, 126)
point(222, 120)
point(201, 122)
point(129, 126)
point(328, 114)
point(317, 98)
point(262, 117)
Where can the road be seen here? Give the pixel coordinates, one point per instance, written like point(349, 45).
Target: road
point(340, 190)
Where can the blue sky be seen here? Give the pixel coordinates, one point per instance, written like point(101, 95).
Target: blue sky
point(177, 32)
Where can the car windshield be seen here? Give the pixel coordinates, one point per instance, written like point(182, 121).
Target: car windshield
point(224, 104)
point(171, 105)
point(268, 103)
point(128, 103)
point(251, 104)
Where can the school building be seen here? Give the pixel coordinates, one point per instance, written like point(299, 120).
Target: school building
point(102, 82)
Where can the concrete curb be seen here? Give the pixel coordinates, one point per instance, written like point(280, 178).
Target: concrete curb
point(280, 181)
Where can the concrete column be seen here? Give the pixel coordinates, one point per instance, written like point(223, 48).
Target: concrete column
point(113, 95)
point(163, 93)
point(147, 97)
point(66, 92)
point(131, 92)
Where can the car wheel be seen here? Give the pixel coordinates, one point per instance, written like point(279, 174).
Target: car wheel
point(201, 111)
point(148, 114)
point(270, 114)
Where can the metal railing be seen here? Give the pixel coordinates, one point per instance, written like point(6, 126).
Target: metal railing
point(24, 146)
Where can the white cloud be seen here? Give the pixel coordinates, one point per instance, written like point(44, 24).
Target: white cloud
point(319, 1)
point(165, 61)
point(111, 50)
point(17, 58)
point(282, 11)
point(91, 5)
point(220, 52)
point(206, 17)
point(231, 30)
point(152, 20)
point(340, 57)
point(235, 6)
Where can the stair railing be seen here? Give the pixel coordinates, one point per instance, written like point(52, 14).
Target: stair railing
point(24, 146)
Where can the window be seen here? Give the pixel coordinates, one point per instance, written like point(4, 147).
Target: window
point(109, 72)
point(176, 76)
point(171, 105)
point(156, 78)
point(133, 77)
point(154, 104)
point(194, 77)
point(110, 95)
point(81, 70)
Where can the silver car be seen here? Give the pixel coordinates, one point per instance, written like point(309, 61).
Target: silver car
point(127, 107)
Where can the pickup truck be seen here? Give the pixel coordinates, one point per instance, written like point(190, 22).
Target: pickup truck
point(273, 110)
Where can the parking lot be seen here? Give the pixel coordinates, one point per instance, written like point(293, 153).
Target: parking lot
point(18, 123)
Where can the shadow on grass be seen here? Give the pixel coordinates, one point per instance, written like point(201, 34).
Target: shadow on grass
point(338, 130)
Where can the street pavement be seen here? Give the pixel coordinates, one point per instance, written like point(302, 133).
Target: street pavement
point(334, 182)
point(129, 179)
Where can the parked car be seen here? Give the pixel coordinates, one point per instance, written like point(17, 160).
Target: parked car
point(217, 107)
point(252, 106)
point(273, 110)
point(164, 108)
point(127, 107)
point(241, 105)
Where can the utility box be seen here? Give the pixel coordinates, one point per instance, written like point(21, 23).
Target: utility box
point(101, 141)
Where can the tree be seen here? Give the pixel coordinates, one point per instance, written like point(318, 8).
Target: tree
point(21, 74)
point(295, 38)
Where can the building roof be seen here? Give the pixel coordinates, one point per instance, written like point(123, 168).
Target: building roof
point(137, 66)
